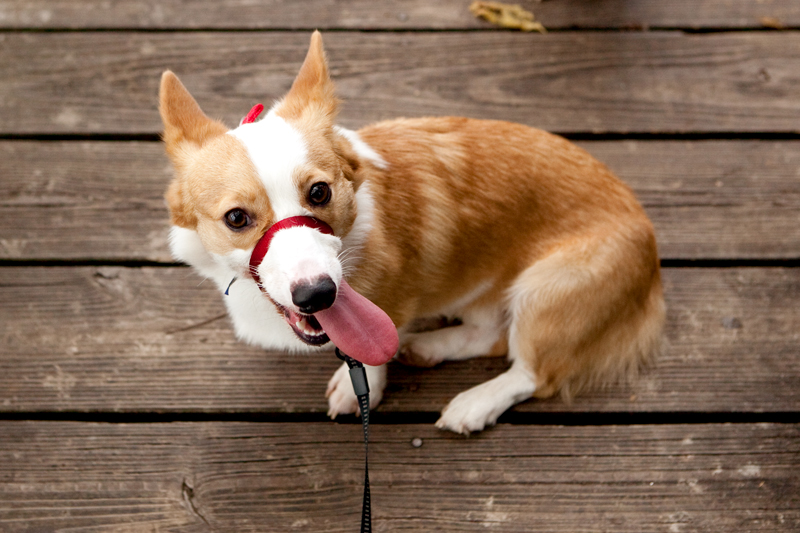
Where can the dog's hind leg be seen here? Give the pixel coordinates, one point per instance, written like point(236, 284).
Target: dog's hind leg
point(589, 313)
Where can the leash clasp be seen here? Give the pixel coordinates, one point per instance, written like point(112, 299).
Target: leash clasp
point(358, 375)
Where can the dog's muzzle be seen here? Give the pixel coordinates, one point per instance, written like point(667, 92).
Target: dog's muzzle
point(353, 323)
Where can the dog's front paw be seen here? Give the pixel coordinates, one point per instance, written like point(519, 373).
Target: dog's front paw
point(341, 396)
point(469, 412)
point(410, 357)
point(415, 352)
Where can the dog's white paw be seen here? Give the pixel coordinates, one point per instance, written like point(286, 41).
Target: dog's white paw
point(469, 412)
point(481, 406)
point(452, 343)
point(341, 396)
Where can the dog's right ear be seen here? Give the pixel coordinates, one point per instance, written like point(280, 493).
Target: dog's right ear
point(186, 127)
point(312, 95)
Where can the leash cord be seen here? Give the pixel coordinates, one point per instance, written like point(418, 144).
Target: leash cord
point(359, 378)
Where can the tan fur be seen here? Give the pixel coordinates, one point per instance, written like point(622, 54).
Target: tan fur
point(541, 217)
point(195, 141)
point(570, 254)
point(312, 96)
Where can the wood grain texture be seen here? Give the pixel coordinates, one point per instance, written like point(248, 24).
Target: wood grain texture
point(704, 196)
point(659, 82)
point(104, 200)
point(83, 200)
point(127, 344)
point(243, 477)
point(115, 339)
point(386, 15)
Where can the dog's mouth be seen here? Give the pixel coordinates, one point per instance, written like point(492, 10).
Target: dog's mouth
point(306, 327)
point(355, 325)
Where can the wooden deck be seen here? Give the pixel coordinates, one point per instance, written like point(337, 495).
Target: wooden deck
point(127, 405)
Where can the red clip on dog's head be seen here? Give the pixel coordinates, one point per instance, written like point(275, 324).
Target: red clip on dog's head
point(354, 324)
point(252, 115)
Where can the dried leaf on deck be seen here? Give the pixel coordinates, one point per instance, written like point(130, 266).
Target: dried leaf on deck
point(772, 22)
point(507, 16)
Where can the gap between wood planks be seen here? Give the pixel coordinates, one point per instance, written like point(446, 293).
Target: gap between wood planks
point(585, 418)
point(633, 28)
point(572, 136)
point(786, 262)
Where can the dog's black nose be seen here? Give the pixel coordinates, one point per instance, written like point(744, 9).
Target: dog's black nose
point(311, 297)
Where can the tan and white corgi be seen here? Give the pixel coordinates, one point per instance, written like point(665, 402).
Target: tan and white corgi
point(534, 246)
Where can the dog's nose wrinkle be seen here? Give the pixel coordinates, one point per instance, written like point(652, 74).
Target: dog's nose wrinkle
point(314, 296)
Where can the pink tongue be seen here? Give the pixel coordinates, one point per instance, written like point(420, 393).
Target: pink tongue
point(359, 328)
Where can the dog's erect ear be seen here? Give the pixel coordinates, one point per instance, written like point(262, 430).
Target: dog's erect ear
point(312, 93)
point(186, 129)
point(185, 124)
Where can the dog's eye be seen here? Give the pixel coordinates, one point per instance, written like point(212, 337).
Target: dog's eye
point(236, 219)
point(320, 193)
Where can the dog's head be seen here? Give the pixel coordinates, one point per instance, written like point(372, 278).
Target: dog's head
point(231, 185)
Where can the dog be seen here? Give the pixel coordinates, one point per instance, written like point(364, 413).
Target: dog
point(525, 243)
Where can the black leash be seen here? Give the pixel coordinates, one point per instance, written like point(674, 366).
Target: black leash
point(359, 378)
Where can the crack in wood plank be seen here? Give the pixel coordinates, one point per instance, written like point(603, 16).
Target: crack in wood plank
point(197, 325)
point(187, 491)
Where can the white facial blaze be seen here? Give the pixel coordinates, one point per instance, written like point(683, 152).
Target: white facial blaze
point(276, 149)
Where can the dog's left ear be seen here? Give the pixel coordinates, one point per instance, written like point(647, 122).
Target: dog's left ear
point(186, 127)
point(312, 95)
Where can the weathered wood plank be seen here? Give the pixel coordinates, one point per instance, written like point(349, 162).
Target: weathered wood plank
point(83, 200)
point(106, 82)
point(387, 14)
point(156, 339)
point(704, 196)
point(90, 200)
point(286, 477)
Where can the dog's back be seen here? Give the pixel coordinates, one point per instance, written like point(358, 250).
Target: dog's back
point(525, 237)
